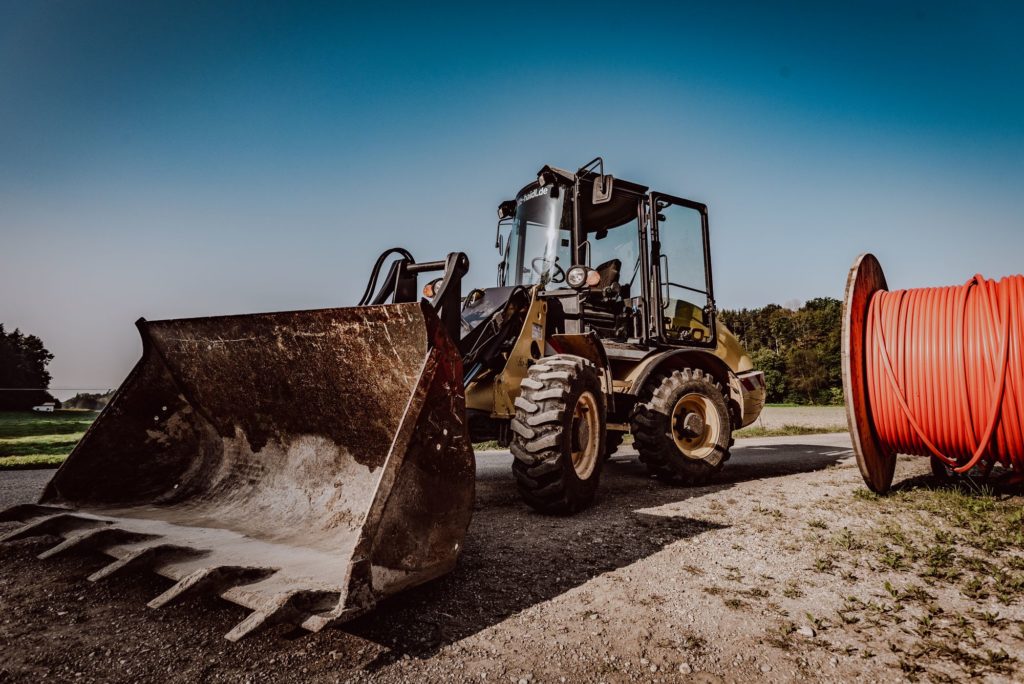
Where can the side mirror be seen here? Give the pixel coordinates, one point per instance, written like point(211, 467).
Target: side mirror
point(602, 189)
point(500, 244)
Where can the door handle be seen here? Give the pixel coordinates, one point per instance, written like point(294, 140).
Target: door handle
point(663, 259)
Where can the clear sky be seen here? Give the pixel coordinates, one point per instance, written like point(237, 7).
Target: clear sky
point(181, 159)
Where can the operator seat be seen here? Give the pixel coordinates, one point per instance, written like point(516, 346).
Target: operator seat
point(609, 271)
point(603, 304)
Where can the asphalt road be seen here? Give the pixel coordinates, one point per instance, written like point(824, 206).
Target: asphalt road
point(750, 457)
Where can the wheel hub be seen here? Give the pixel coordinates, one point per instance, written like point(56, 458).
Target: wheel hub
point(695, 426)
point(586, 435)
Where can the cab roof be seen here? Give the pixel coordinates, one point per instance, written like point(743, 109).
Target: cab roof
point(621, 208)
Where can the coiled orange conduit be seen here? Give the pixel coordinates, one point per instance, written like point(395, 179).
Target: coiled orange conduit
point(945, 372)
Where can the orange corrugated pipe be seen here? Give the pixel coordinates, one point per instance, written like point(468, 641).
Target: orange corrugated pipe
point(934, 372)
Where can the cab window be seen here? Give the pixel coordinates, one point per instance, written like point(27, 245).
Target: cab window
point(684, 289)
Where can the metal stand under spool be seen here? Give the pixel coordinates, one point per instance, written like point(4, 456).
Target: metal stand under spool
point(877, 464)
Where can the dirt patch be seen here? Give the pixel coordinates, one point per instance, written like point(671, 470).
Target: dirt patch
point(782, 569)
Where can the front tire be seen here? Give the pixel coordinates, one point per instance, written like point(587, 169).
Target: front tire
point(682, 427)
point(558, 435)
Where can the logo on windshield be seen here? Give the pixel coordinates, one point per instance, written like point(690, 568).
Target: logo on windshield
point(536, 192)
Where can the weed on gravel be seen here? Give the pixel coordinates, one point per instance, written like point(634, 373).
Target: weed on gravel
point(954, 553)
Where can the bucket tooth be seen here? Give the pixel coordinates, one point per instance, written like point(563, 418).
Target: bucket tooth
point(94, 538)
point(295, 607)
point(211, 580)
point(55, 524)
point(254, 621)
point(26, 512)
point(314, 623)
point(145, 557)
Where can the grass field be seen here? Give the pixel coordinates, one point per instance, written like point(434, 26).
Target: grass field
point(40, 440)
point(788, 430)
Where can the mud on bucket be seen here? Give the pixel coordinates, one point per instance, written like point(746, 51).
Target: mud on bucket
point(301, 464)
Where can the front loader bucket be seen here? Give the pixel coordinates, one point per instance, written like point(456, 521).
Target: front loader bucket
point(301, 464)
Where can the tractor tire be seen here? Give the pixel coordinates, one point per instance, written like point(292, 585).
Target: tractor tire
point(612, 441)
point(673, 445)
point(558, 435)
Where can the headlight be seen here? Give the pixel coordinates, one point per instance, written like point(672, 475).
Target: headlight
point(430, 289)
point(576, 277)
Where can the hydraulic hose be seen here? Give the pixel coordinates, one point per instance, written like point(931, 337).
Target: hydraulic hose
point(371, 286)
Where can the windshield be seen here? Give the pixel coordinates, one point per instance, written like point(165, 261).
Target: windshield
point(537, 250)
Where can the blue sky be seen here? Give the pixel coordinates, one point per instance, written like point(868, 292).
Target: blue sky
point(178, 159)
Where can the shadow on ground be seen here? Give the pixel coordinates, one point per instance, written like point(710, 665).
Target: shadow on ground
point(513, 559)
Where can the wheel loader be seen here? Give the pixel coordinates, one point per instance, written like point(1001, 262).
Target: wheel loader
point(307, 464)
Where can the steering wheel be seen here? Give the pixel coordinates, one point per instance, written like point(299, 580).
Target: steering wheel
point(557, 277)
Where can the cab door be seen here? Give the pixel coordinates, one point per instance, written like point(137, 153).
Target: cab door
point(684, 303)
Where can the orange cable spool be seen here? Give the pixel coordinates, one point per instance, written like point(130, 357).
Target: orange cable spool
point(933, 372)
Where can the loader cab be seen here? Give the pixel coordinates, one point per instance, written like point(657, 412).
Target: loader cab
point(646, 255)
point(535, 236)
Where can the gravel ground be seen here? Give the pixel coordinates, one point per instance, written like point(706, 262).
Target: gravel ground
point(655, 583)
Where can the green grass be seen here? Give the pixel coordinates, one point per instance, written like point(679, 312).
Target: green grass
point(30, 462)
point(788, 431)
point(40, 440)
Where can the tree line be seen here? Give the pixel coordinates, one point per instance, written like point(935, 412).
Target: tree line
point(797, 350)
point(92, 401)
point(23, 374)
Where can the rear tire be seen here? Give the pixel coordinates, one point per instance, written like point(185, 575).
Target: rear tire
point(558, 435)
point(612, 441)
point(672, 443)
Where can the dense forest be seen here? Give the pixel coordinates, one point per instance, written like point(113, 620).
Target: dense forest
point(23, 374)
point(797, 350)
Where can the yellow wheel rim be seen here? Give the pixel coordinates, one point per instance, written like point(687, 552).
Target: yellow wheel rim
point(696, 445)
point(586, 435)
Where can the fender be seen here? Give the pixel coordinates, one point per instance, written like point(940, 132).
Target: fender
point(675, 359)
point(587, 345)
